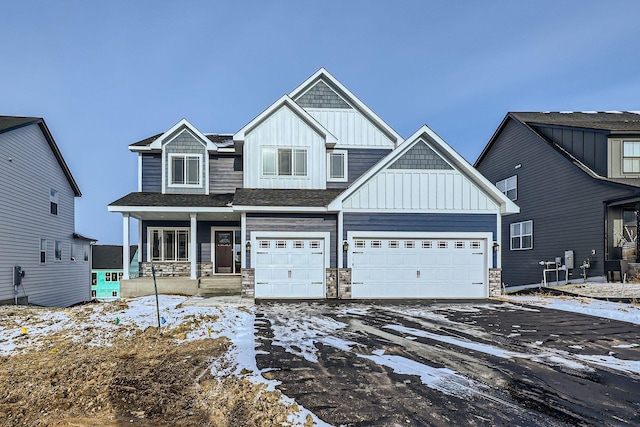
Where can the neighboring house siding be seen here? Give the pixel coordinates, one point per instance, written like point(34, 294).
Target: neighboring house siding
point(185, 143)
point(25, 218)
point(590, 147)
point(225, 174)
point(359, 160)
point(295, 222)
point(564, 203)
point(152, 173)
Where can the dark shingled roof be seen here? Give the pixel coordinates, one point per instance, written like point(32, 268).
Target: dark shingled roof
point(10, 122)
point(174, 200)
point(612, 121)
point(105, 257)
point(282, 197)
point(218, 139)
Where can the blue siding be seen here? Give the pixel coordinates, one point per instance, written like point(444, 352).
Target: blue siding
point(152, 173)
point(359, 160)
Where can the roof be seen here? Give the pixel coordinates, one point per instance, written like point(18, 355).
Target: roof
point(219, 139)
point(619, 121)
point(81, 237)
point(284, 197)
point(9, 123)
point(109, 256)
point(174, 200)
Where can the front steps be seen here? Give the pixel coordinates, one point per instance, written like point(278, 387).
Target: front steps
point(224, 285)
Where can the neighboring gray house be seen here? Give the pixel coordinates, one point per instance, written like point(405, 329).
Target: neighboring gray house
point(316, 197)
point(37, 193)
point(576, 178)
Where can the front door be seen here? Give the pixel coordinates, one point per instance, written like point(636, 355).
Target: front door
point(223, 252)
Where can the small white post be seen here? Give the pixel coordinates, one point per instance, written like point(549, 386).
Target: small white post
point(126, 220)
point(193, 247)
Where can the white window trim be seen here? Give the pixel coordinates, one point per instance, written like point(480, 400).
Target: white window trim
point(623, 157)
point(150, 231)
point(511, 236)
point(53, 198)
point(277, 175)
point(345, 163)
point(170, 183)
point(502, 186)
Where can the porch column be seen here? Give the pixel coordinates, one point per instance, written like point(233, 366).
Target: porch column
point(126, 221)
point(193, 246)
point(637, 230)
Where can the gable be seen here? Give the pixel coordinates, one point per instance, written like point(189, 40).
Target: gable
point(420, 156)
point(322, 96)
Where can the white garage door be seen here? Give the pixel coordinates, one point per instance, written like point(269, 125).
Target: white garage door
point(419, 268)
point(289, 268)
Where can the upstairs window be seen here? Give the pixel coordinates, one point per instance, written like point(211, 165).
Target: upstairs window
point(43, 251)
point(509, 187)
point(185, 170)
point(630, 156)
point(284, 161)
point(522, 235)
point(57, 250)
point(53, 202)
point(337, 165)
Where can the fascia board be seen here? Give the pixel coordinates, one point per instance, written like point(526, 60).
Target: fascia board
point(185, 209)
point(322, 72)
point(279, 209)
point(285, 100)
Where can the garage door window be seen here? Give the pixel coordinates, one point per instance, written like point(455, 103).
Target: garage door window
point(426, 244)
point(443, 245)
point(394, 244)
point(522, 235)
point(409, 244)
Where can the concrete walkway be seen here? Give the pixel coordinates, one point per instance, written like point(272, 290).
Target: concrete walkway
point(213, 301)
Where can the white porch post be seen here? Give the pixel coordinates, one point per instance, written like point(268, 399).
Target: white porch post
point(193, 246)
point(243, 238)
point(126, 241)
point(339, 240)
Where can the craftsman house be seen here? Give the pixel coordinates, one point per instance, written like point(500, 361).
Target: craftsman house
point(576, 179)
point(42, 260)
point(316, 197)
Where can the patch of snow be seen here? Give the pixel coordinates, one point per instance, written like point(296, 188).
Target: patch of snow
point(632, 366)
point(625, 346)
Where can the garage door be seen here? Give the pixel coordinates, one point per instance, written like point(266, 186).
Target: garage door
point(289, 268)
point(419, 268)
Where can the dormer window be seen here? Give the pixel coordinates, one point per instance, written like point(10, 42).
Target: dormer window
point(284, 161)
point(185, 170)
point(630, 156)
point(337, 165)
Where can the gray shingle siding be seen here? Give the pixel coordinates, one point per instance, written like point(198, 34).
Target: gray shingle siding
point(564, 203)
point(322, 96)
point(420, 157)
point(25, 218)
point(152, 173)
point(296, 222)
point(225, 174)
point(359, 161)
point(185, 143)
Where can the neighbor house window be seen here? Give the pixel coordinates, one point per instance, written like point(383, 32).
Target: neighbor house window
point(57, 253)
point(169, 244)
point(72, 252)
point(509, 187)
point(631, 156)
point(337, 165)
point(522, 235)
point(85, 249)
point(43, 251)
point(284, 161)
point(185, 170)
point(53, 202)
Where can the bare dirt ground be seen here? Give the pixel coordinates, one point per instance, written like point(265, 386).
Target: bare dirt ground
point(146, 379)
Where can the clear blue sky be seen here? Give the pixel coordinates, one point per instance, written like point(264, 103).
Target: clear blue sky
point(107, 74)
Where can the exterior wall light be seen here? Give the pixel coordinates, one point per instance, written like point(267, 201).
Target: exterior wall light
point(345, 246)
point(248, 245)
point(496, 246)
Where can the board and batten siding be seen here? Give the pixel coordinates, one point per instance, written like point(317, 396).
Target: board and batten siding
point(431, 190)
point(284, 128)
point(25, 218)
point(225, 174)
point(295, 222)
point(351, 127)
point(359, 160)
point(588, 146)
point(152, 172)
point(185, 143)
point(564, 203)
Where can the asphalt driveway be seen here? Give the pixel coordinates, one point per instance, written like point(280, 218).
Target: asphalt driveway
point(448, 363)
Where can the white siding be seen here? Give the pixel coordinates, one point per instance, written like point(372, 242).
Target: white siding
point(25, 182)
point(430, 190)
point(284, 129)
point(351, 128)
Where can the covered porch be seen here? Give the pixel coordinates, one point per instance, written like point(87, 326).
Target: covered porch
point(622, 219)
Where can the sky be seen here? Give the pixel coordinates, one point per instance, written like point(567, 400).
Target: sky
point(107, 74)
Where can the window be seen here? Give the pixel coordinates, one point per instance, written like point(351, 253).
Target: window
point(107, 276)
point(475, 245)
point(85, 249)
point(376, 244)
point(443, 244)
point(264, 244)
point(393, 244)
point(509, 187)
point(631, 156)
point(426, 244)
point(72, 252)
point(53, 202)
point(43, 251)
point(169, 244)
point(337, 165)
point(281, 244)
point(94, 279)
point(359, 243)
point(284, 161)
point(58, 250)
point(185, 170)
point(409, 244)
point(459, 245)
point(522, 235)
